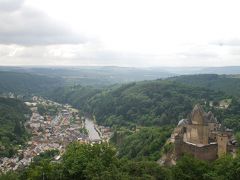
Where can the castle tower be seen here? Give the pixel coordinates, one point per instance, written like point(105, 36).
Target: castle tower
point(222, 140)
point(197, 115)
point(197, 131)
point(178, 145)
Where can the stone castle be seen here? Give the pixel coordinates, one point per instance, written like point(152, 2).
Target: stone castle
point(202, 136)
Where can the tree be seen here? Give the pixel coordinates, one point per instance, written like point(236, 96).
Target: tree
point(189, 168)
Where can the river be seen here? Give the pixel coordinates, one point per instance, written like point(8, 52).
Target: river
point(92, 133)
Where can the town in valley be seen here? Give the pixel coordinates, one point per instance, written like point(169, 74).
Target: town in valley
point(52, 126)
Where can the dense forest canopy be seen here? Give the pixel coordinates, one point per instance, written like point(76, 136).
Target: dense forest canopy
point(147, 103)
point(77, 96)
point(225, 83)
point(145, 144)
point(27, 84)
point(12, 131)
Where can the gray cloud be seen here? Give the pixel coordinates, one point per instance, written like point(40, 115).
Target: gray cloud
point(227, 42)
point(69, 55)
point(30, 37)
point(195, 51)
point(26, 26)
point(10, 5)
point(201, 55)
point(88, 55)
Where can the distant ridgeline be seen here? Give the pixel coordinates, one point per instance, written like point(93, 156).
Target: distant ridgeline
point(230, 84)
point(25, 84)
point(97, 76)
point(12, 132)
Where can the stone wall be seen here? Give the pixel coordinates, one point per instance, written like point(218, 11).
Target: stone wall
point(206, 152)
point(222, 140)
point(197, 134)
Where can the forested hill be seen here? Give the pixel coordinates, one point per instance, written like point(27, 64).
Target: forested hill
point(157, 102)
point(98, 76)
point(24, 83)
point(228, 84)
point(12, 131)
point(77, 96)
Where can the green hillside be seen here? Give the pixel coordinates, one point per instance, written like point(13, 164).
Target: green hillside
point(24, 83)
point(12, 131)
point(98, 76)
point(144, 144)
point(227, 84)
point(76, 95)
point(145, 103)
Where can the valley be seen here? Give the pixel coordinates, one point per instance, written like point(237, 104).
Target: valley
point(69, 131)
point(53, 131)
point(119, 90)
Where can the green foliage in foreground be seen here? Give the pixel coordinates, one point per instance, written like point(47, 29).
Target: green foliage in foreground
point(188, 168)
point(12, 131)
point(100, 162)
point(90, 162)
point(145, 144)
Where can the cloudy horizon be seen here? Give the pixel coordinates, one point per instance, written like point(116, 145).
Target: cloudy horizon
point(136, 33)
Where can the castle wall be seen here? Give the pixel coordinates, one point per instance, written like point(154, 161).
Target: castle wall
point(207, 152)
point(222, 140)
point(213, 126)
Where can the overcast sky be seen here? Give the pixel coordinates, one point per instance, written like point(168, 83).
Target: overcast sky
point(140, 33)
